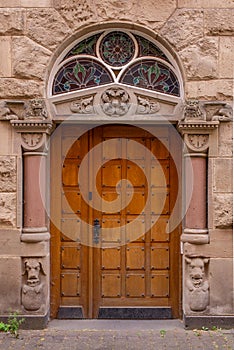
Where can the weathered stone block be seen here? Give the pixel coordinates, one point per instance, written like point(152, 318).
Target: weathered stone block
point(6, 138)
point(46, 27)
point(223, 210)
point(37, 3)
point(5, 56)
point(10, 3)
point(222, 175)
point(77, 13)
point(150, 12)
point(29, 59)
point(7, 174)
point(220, 245)
point(209, 90)
point(219, 22)
point(20, 88)
point(7, 209)
point(201, 59)
point(226, 139)
point(221, 286)
point(184, 28)
point(10, 286)
point(226, 54)
point(11, 21)
point(206, 3)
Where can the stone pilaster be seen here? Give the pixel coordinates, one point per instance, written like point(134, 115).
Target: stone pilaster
point(196, 131)
point(35, 129)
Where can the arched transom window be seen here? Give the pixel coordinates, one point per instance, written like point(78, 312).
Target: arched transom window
point(116, 56)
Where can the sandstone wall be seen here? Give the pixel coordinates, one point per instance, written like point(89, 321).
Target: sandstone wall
point(200, 32)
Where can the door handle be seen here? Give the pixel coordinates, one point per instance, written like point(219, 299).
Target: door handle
point(96, 231)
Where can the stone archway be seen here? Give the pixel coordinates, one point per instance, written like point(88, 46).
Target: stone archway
point(197, 121)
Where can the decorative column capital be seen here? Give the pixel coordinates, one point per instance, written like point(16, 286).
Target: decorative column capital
point(34, 133)
point(199, 120)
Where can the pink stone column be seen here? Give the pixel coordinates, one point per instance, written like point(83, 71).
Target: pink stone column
point(34, 190)
point(196, 182)
point(34, 197)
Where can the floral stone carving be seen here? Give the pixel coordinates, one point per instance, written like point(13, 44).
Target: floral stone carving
point(147, 106)
point(197, 142)
point(197, 285)
point(32, 139)
point(33, 289)
point(83, 105)
point(115, 102)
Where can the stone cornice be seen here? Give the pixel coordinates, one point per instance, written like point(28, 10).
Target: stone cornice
point(197, 126)
point(39, 126)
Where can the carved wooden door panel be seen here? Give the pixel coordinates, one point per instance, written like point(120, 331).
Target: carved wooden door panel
point(126, 266)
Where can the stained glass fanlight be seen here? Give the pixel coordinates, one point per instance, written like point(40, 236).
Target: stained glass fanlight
point(116, 57)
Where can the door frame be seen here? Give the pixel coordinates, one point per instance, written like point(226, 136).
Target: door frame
point(55, 243)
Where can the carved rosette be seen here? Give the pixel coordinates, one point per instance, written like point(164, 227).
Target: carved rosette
point(115, 102)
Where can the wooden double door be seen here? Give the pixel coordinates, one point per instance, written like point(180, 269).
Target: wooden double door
point(113, 189)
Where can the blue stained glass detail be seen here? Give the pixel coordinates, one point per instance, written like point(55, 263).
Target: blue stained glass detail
point(152, 75)
point(80, 74)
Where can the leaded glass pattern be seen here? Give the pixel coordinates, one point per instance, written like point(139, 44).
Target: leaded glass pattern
point(147, 48)
point(119, 57)
point(85, 47)
point(117, 49)
point(152, 75)
point(80, 74)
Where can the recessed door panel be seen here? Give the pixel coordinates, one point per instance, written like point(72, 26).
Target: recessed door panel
point(128, 259)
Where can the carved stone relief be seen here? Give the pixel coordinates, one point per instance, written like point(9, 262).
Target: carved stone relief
point(197, 285)
point(31, 139)
point(115, 102)
point(192, 110)
point(33, 289)
point(207, 111)
point(83, 105)
point(35, 109)
point(5, 112)
point(147, 105)
point(197, 142)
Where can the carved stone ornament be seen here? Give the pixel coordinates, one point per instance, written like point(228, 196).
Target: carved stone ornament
point(193, 111)
point(83, 105)
point(5, 112)
point(33, 289)
point(197, 142)
point(115, 102)
point(147, 105)
point(35, 109)
point(31, 140)
point(224, 114)
point(197, 285)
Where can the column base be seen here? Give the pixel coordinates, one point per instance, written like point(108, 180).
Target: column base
point(31, 322)
point(197, 322)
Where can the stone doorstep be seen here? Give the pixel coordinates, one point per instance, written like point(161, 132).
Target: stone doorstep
point(38, 322)
point(197, 322)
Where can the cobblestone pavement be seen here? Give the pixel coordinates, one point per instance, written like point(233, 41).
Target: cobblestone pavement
point(111, 335)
